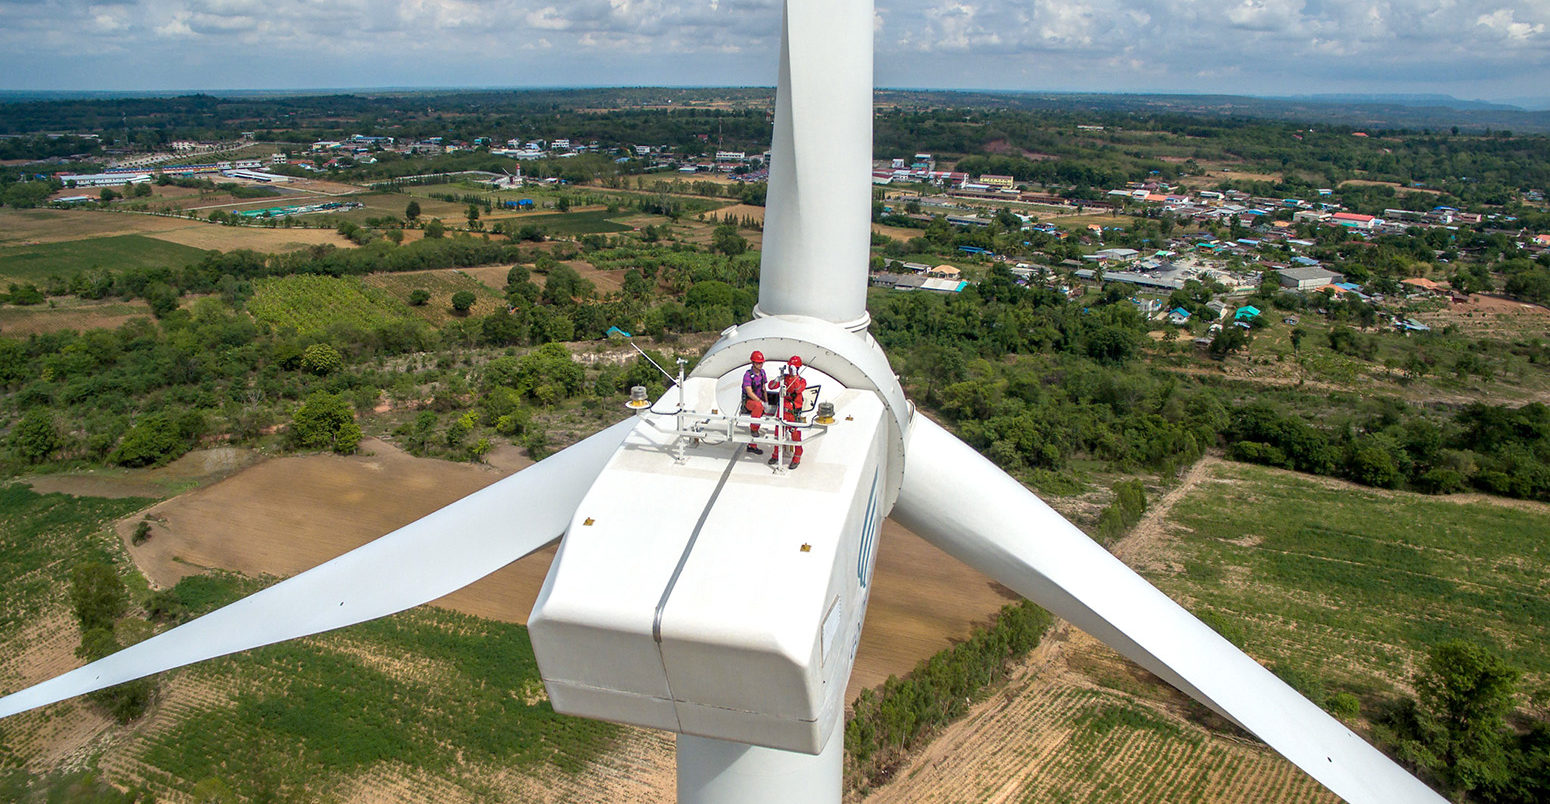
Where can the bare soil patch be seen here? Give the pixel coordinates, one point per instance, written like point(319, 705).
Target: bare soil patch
point(491, 276)
point(70, 313)
point(923, 602)
point(896, 232)
point(229, 238)
point(606, 281)
point(736, 213)
point(195, 468)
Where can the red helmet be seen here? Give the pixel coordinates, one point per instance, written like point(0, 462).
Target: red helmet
point(795, 362)
point(756, 357)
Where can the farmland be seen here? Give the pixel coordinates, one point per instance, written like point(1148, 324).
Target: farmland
point(311, 305)
point(440, 285)
point(1370, 578)
point(39, 262)
point(1337, 588)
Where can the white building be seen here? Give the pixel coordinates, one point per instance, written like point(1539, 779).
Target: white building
point(104, 179)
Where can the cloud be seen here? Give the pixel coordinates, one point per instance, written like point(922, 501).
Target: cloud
point(1180, 45)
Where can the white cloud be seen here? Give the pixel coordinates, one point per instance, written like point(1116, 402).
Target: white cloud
point(1504, 22)
point(1183, 45)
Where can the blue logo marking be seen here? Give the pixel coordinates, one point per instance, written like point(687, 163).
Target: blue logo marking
point(869, 528)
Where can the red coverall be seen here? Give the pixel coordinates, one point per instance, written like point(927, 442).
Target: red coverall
point(795, 388)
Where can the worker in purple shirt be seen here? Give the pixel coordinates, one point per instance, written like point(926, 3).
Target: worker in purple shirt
point(753, 394)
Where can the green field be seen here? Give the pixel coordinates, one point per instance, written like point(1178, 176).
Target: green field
point(312, 304)
point(437, 695)
point(1345, 587)
point(573, 223)
point(41, 537)
point(38, 262)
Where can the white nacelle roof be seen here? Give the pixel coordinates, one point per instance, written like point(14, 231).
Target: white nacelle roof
point(718, 596)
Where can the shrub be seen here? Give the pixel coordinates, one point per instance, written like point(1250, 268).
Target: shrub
point(153, 441)
point(325, 421)
point(320, 359)
point(36, 436)
point(97, 595)
point(1344, 705)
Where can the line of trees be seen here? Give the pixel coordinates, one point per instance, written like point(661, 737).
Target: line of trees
point(884, 725)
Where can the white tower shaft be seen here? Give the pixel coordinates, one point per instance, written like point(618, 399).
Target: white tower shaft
point(817, 219)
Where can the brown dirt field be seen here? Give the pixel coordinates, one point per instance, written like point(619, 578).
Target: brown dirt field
point(923, 601)
point(896, 232)
point(323, 186)
point(491, 276)
point(198, 467)
point(736, 212)
point(606, 281)
point(69, 313)
point(229, 238)
point(285, 515)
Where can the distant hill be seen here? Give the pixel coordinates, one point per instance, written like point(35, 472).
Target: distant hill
point(43, 111)
point(1421, 100)
point(1415, 112)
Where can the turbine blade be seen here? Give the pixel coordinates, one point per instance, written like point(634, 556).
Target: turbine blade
point(968, 507)
point(422, 561)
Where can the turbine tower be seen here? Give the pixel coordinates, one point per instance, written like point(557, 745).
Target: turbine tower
point(665, 608)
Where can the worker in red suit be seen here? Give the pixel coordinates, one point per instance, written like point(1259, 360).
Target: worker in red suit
point(792, 389)
point(754, 382)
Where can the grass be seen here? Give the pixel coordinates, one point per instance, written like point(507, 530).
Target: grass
point(573, 223)
point(41, 537)
point(430, 691)
point(38, 262)
point(1350, 586)
point(312, 304)
point(441, 285)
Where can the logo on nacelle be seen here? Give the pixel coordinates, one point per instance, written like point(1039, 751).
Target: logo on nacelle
point(869, 529)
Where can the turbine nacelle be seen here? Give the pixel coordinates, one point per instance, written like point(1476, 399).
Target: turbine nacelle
point(703, 591)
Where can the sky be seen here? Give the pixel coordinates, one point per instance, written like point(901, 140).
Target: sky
point(1471, 49)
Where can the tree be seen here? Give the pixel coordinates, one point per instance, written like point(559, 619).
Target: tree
point(412, 211)
point(419, 296)
point(162, 299)
point(462, 301)
point(153, 440)
point(36, 436)
point(1111, 344)
point(435, 229)
point(1227, 341)
point(97, 595)
point(1298, 333)
point(325, 421)
point(320, 359)
point(472, 213)
point(726, 240)
point(1464, 694)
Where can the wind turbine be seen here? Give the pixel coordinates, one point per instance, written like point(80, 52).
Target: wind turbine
point(668, 605)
